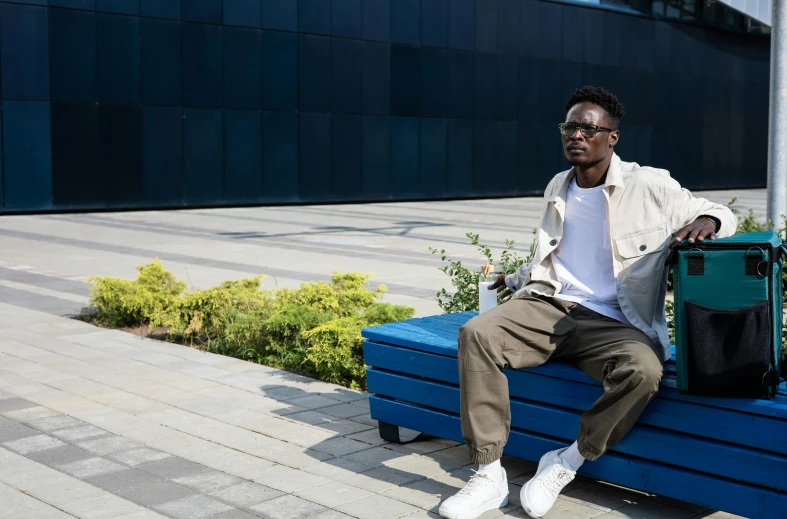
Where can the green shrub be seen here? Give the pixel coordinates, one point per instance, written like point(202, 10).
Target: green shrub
point(314, 329)
point(203, 314)
point(336, 351)
point(465, 280)
point(120, 302)
point(384, 313)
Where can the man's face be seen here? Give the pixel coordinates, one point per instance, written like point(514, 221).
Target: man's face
point(588, 151)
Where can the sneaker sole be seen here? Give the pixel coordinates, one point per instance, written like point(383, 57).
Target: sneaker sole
point(492, 505)
point(524, 503)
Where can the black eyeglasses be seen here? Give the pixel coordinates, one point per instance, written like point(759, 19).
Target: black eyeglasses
point(587, 130)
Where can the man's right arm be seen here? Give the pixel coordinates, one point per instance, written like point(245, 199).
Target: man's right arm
point(521, 277)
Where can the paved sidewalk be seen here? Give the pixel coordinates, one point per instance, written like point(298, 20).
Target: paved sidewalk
point(47, 259)
point(101, 424)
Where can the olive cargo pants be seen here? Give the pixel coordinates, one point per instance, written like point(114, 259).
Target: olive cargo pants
point(529, 331)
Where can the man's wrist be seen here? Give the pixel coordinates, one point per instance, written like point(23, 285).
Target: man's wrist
point(716, 221)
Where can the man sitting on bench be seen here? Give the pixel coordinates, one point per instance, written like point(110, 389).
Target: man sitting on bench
point(593, 295)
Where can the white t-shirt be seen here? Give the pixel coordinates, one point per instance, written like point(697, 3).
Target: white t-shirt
point(583, 260)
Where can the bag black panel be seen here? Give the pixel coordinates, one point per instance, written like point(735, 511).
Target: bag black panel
point(730, 351)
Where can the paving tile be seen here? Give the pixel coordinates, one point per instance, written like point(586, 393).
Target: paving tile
point(604, 497)
point(174, 467)
point(65, 492)
point(370, 436)
point(15, 404)
point(564, 509)
point(152, 495)
point(310, 417)
point(236, 514)
point(109, 445)
point(377, 507)
point(313, 401)
point(61, 455)
point(458, 478)
point(381, 479)
point(33, 444)
point(366, 420)
point(330, 514)
point(51, 423)
point(142, 514)
point(288, 479)
point(90, 467)
point(343, 427)
point(10, 431)
point(649, 508)
point(426, 493)
point(345, 410)
point(102, 507)
point(75, 434)
point(458, 456)
point(16, 503)
point(678, 504)
point(123, 479)
point(206, 482)
point(516, 467)
point(374, 456)
point(194, 507)
point(340, 446)
point(135, 457)
point(286, 507)
point(282, 393)
point(30, 413)
point(46, 512)
point(336, 469)
point(244, 495)
point(332, 494)
point(346, 395)
point(422, 465)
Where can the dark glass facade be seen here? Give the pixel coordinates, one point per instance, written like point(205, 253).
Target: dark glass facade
point(174, 103)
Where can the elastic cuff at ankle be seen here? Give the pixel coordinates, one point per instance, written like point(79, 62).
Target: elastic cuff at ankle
point(484, 458)
point(587, 452)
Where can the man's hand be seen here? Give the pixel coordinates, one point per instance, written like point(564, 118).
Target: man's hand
point(698, 230)
point(502, 290)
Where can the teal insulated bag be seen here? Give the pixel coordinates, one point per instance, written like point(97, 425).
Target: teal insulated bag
point(728, 315)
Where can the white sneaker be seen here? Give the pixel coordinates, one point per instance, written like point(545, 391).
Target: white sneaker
point(481, 494)
point(540, 493)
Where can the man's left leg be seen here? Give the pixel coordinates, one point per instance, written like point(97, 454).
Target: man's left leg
point(624, 360)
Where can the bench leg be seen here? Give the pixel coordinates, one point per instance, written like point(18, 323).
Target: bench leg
point(389, 432)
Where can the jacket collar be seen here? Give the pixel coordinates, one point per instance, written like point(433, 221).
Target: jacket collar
point(614, 178)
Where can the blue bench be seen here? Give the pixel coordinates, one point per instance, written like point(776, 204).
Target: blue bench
point(721, 453)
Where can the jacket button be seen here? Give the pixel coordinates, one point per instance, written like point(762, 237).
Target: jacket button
point(553, 243)
point(642, 247)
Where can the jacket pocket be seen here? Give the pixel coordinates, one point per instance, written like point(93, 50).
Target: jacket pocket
point(640, 243)
point(641, 254)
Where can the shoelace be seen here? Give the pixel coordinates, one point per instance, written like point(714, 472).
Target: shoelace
point(557, 479)
point(476, 481)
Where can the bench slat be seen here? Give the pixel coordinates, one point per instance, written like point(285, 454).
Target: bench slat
point(735, 427)
point(643, 441)
point(713, 492)
point(438, 335)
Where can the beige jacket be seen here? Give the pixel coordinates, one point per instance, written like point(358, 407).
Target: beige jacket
point(645, 206)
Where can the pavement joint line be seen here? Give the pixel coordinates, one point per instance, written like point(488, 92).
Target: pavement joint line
point(43, 291)
point(201, 261)
point(188, 433)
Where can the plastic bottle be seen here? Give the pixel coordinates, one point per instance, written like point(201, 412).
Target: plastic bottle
point(487, 299)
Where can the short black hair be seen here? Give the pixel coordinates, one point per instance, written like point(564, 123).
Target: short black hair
point(600, 97)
